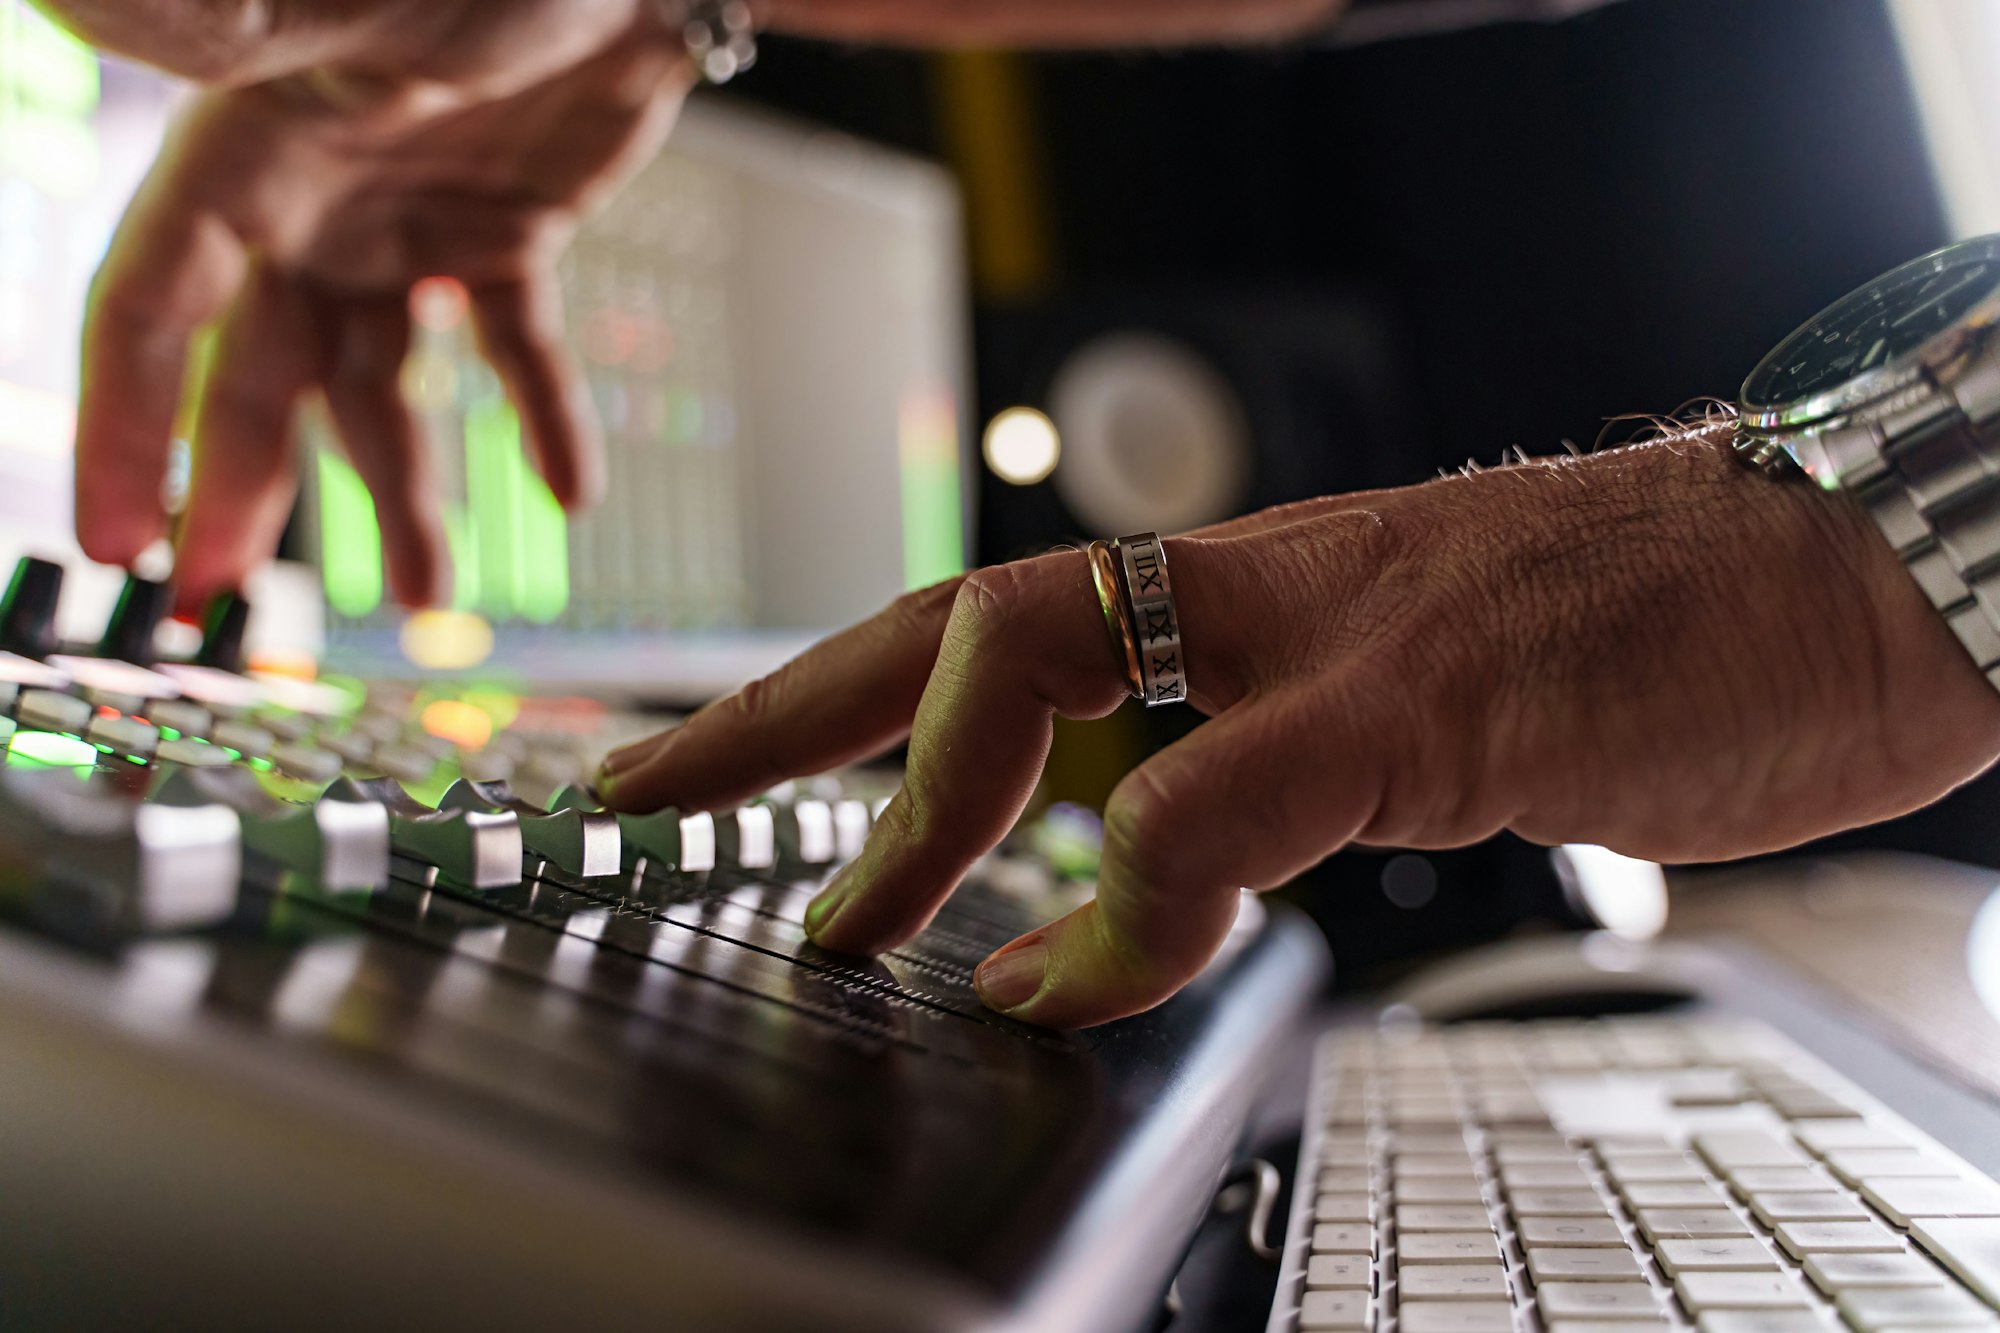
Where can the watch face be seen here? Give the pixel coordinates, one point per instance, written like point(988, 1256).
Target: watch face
point(1870, 329)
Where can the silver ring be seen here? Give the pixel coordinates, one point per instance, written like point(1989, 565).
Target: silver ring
point(1149, 593)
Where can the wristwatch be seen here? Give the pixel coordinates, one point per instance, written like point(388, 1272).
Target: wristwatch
point(1892, 394)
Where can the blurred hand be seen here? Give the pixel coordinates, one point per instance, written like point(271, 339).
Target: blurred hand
point(355, 148)
point(1650, 649)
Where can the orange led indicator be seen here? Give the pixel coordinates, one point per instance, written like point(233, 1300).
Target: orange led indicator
point(463, 725)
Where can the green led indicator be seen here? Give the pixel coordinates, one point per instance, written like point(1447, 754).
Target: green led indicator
point(50, 748)
point(350, 544)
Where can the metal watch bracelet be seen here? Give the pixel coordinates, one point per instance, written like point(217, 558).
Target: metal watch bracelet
point(1928, 473)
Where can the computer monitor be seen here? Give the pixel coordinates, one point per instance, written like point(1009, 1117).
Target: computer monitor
point(772, 322)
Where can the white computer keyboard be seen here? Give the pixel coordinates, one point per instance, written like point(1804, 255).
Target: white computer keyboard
point(1608, 1175)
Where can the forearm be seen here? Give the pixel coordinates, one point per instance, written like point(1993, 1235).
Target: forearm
point(1050, 22)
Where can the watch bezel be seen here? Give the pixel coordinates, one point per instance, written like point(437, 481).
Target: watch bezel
point(1889, 385)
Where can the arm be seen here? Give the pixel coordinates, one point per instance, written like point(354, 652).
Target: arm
point(244, 41)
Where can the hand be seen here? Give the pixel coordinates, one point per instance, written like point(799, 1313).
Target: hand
point(381, 144)
point(1651, 649)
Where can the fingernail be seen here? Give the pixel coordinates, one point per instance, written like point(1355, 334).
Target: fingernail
point(821, 911)
point(1012, 977)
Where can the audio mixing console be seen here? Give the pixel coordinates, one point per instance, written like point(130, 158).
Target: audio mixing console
point(410, 892)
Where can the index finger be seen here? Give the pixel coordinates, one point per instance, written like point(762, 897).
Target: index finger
point(1025, 642)
point(172, 267)
point(846, 698)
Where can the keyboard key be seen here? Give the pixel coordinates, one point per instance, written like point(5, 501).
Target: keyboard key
point(1544, 1176)
point(1449, 1247)
point(1570, 1232)
point(1733, 1148)
point(1903, 1199)
point(1764, 1321)
point(1343, 1238)
point(1772, 1209)
point(1438, 1189)
point(1557, 1203)
point(1870, 1309)
point(1343, 1208)
point(1339, 1270)
point(1653, 1169)
point(1660, 1224)
point(1834, 1273)
point(1335, 1310)
point(1779, 1180)
point(1552, 1153)
point(1731, 1255)
point(1701, 1291)
point(1855, 1165)
point(1822, 1139)
point(1803, 1238)
point(1969, 1247)
point(1343, 1181)
point(1672, 1195)
point(1547, 1264)
point(1451, 1282)
point(1456, 1317)
point(1441, 1217)
point(1431, 1164)
point(1606, 1325)
point(1597, 1300)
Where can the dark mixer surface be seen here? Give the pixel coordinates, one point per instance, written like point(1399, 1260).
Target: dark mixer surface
point(411, 888)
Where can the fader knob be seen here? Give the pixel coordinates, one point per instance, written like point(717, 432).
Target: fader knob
point(222, 626)
point(28, 612)
point(128, 637)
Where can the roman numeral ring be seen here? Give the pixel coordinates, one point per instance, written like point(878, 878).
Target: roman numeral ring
point(1148, 596)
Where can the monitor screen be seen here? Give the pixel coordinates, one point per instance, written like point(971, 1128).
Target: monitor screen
point(772, 324)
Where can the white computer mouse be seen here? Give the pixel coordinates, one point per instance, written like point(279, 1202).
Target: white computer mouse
point(1557, 975)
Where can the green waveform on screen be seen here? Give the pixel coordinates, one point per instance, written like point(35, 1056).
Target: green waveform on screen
point(518, 534)
point(350, 544)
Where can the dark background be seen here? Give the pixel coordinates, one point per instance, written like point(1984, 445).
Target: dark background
point(1422, 251)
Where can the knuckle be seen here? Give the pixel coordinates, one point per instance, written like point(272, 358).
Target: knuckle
point(1138, 828)
point(990, 597)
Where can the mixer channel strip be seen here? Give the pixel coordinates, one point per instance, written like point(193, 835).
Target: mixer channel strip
point(1616, 1175)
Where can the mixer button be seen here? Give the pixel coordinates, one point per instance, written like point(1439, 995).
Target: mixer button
point(576, 841)
point(851, 822)
point(471, 848)
point(805, 831)
point(50, 711)
point(246, 738)
point(104, 863)
point(193, 753)
point(662, 840)
point(403, 763)
point(488, 765)
point(189, 719)
point(286, 726)
point(124, 735)
point(340, 845)
point(306, 762)
point(747, 838)
point(351, 746)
